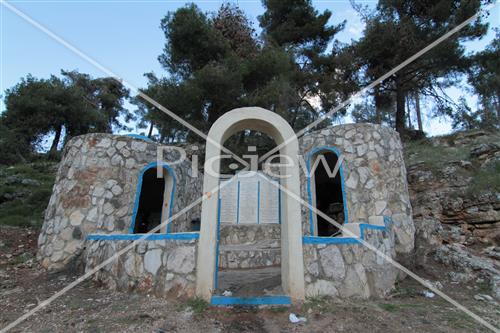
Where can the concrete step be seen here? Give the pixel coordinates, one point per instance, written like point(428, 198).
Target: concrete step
point(250, 282)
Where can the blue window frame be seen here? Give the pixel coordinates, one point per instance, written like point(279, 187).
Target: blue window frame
point(310, 156)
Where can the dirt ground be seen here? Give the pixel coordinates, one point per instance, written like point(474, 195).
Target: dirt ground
point(93, 308)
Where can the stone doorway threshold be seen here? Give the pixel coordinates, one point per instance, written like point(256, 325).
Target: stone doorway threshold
point(254, 286)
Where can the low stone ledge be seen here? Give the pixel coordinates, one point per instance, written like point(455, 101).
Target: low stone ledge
point(342, 267)
point(248, 233)
point(164, 265)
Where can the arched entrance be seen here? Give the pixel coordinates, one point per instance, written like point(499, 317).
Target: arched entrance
point(292, 264)
point(325, 191)
point(153, 199)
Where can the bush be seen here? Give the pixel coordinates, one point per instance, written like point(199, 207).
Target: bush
point(23, 204)
point(486, 179)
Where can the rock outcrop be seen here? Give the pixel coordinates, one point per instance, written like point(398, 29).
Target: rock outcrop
point(454, 190)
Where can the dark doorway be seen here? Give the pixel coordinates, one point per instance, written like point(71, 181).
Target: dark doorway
point(151, 202)
point(329, 199)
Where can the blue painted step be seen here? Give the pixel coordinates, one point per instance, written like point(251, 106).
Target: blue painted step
point(261, 300)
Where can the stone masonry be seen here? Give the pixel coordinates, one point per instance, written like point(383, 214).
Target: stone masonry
point(95, 190)
point(162, 267)
point(374, 174)
point(89, 216)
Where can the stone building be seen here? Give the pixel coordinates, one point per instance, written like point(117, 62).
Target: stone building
point(258, 235)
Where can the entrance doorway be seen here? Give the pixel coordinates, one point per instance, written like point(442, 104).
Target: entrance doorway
point(326, 189)
point(154, 199)
point(249, 251)
point(292, 264)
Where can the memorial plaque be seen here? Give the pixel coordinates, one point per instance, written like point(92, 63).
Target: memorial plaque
point(229, 200)
point(269, 202)
point(249, 199)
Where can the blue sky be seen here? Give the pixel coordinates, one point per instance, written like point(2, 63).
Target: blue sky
point(125, 37)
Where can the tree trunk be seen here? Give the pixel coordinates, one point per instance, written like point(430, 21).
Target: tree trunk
point(417, 110)
point(150, 130)
point(241, 140)
point(498, 107)
point(294, 119)
point(55, 143)
point(400, 109)
point(410, 126)
point(378, 106)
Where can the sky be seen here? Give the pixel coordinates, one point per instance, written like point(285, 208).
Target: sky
point(125, 37)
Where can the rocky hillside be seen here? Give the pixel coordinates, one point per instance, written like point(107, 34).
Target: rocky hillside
point(454, 184)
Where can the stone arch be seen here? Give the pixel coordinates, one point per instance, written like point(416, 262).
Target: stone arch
point(311, 155)
point(292, 265)
point(169, 191)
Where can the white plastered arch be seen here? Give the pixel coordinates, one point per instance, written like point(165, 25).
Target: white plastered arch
point(292, 263)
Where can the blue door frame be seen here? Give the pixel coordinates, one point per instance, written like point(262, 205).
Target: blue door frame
point(310, 155)
point(139, 189)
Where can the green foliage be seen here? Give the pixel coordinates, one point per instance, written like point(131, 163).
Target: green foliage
point(24, 204)
point(36, 107)
point(389, 307)
point(368, 112)
point(433, 157)
point(483, 177)
point(296, 23)
point(216, 63)
point(318, 303)
point(191, 41)
point(102, 100)
point(73, 105)
point(279, 309)
point(486, 178)
point(399, 29)
point(198, 305)
point(22, 258)
point(484, 76)
point(12, 145)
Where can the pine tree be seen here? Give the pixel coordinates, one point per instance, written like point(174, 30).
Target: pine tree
point(400, 28)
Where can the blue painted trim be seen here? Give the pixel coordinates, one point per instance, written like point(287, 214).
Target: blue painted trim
point(363, 226)
point(263, 300)
point(310, 155)
point(138, 194)
point(279, 201)
point(140, 137)
point(238, 205)
point(330, 240)
point(258, 202)
point(348, 240)
point(146, 237)
point(216, 271)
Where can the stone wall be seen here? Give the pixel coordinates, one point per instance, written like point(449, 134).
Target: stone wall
point(350, 270)
point(163, 267)
point(231, 234)
point(374, 176)
point(95, 190)
point(249, 246)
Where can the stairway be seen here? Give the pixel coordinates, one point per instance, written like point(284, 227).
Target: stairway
point(249, 260)
point(258, 254)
